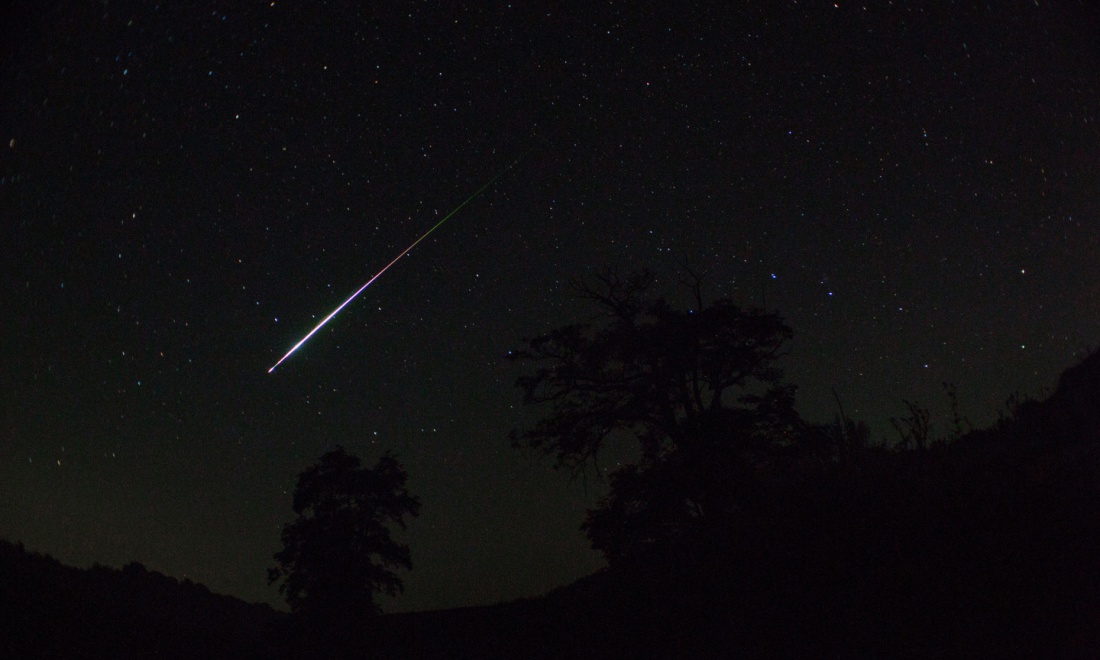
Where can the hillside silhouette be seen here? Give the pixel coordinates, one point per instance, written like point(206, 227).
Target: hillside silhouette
point(48, 610)
point(984, 546)
point(981, 545)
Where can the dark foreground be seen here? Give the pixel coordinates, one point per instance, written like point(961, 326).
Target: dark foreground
point(988, 546)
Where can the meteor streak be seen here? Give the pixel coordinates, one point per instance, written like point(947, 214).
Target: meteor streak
point(386, 267)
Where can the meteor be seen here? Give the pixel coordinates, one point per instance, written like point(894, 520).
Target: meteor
point(386, 267)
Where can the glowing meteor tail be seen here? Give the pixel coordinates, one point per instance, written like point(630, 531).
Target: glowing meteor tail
point(386, 267)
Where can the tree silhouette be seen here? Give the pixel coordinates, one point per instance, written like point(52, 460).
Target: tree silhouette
point(696, 390)
point(339, 552)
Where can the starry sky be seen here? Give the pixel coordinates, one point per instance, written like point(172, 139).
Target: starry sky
point(187, 188)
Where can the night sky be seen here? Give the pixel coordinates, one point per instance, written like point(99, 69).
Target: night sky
point(187, 189)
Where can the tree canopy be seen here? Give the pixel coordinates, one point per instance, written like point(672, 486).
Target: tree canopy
point(339, 552)
point(697, 391)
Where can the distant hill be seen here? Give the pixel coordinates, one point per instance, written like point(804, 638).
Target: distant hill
point(51, 610)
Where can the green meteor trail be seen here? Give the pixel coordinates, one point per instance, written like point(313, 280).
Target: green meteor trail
point(386, 267)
